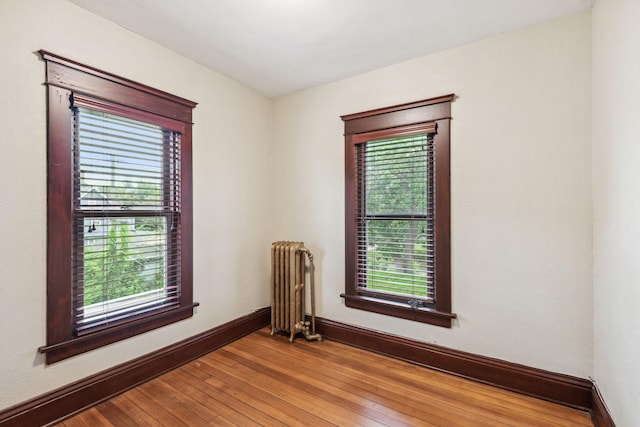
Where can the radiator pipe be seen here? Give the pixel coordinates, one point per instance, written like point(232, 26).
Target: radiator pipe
point(312, 269)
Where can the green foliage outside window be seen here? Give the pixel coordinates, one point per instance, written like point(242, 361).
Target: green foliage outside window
point(120, 271)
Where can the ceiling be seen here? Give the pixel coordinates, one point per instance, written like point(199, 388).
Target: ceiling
point(281, 46)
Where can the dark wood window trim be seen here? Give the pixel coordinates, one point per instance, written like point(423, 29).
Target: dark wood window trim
point(67, 80)
point(429, 116)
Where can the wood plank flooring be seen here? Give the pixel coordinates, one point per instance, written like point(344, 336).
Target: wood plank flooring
point(261, 380)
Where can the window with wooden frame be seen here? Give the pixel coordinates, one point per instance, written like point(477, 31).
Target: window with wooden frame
point(397, 216)
point(119, 208)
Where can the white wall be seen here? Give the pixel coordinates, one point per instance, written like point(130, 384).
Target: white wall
point(521, 190)
point(231, 147)
point(616, 200)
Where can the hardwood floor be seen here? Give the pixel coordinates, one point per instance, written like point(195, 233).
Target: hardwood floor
point(261, 380)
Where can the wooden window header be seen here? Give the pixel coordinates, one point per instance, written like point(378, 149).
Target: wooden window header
point(428, 110)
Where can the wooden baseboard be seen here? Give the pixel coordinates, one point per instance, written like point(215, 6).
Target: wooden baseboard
point(559, 388)
point(599, 412)
point(75, 397)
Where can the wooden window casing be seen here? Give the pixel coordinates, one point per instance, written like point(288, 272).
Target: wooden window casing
point(432, 118)
point(71, 85)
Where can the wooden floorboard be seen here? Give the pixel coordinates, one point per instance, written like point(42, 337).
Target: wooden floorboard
point(261, 380)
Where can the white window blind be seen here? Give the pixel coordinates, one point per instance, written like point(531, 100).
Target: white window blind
point(126, 216)
point(395, 217)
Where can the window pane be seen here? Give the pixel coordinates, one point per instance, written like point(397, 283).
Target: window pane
point(123, 256)
point(396, 175)
point(124, 268)
point(121, 162)
point(396, 257)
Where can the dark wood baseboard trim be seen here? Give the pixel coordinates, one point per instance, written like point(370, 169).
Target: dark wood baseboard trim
point(599, 412)
point(75, 397)
point(559, 388)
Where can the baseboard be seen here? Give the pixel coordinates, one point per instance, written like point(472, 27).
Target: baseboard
point(72, 398)
point(564, 389)
point(599, 412)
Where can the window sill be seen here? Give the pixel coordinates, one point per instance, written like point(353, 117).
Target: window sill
point(64, 350)
point(401, 310)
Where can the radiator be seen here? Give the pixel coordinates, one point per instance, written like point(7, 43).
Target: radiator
point(288, 290)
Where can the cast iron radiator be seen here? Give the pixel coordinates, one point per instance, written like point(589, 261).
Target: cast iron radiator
point(288, 290)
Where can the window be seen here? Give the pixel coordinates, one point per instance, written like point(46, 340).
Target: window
point(119, 232)
point(397, 244)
